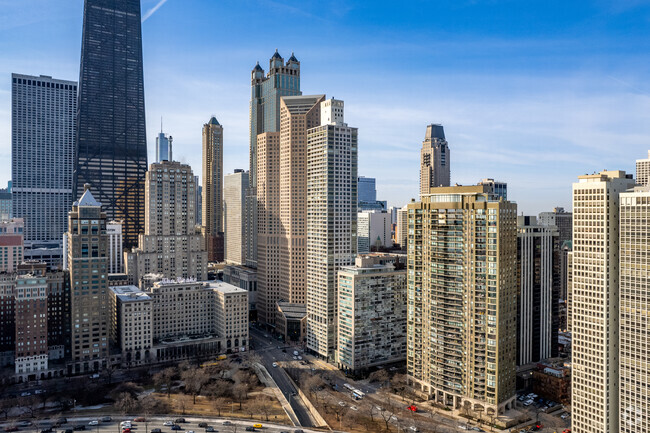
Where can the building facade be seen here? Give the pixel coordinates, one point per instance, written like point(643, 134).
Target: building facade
point(462, 298)
point(43, 116)
point(331, 235)
point(111, 136)
point(6, 205)
point(11, 244)
point(371, 312)
point(374, 231)
point(643, 171)
point(87, 252)
point(401, 227)
point(31, 326)
point(244, 278)
point(434, 160)
point(537, 299)
point(496, 187)
point(634, 413)
point(131, 325)
point(234, 209)
point(366, 186)
point(164, 147)
point(115, 250)
point(283, 79)
point(595, 301)
point(170, 244)
point(213, 189)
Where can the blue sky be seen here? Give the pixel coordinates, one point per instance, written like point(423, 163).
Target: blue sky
point(531, 92)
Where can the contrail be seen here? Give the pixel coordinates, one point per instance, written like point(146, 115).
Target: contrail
point(153, 10)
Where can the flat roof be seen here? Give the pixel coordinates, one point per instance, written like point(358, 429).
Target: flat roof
point(129, 293)
point(225, 287)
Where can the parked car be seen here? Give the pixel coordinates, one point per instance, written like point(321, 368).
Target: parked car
point(156, 430)
point(209, 429)
point(176, 427)
point(275, 364)
point(107, 419)
point(180, 420)
point(203, 424)
point(139, 419)
point(227, 423)
point(94, 422)
point(168, 423)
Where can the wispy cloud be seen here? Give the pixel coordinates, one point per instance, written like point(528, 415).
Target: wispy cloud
point(153, 10)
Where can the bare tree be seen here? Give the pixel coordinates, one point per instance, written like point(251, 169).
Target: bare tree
point(240, 393)
point(220, 403)
point(379, 376)
point(5, 406)
point(399, 384)
point(195, 380)
point(165, 378)
point(125, 403)
point(182, 401)
point(265, 406)
point(29, 404)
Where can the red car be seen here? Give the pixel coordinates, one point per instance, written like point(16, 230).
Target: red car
point(11, 428)
point(412, 408)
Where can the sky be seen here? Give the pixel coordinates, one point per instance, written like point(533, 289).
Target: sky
point(534, 93)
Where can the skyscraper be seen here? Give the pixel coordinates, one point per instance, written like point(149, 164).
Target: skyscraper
point(111, 138)
point(266, 92)
point(163, 147)
point(434, 160)
point(368, 195)
point(88, 264)
point(373, 230)
point(462, 294)
point(43, 113)
point(170, 244)
point(595, 301)
point(234, 203)
point(213, 189)
point(331, 236)
point(634, 310)
point(496, 187)
point(537, 299)
point(282, 205)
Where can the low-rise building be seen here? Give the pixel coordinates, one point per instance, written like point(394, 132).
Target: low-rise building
point(553, 382)
point(11, 244)
point(244, 278)
point(131, 324)
point(372, 312)
point(291, 321)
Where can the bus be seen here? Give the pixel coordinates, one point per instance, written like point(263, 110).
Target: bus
point(348, 386)
point(357, 394)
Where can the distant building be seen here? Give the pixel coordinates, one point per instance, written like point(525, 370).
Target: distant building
point(115, 252)
point(367, 199)
point(538, 295)
point(434, 160)
point(212, 219)
point(131, 324)
point(170, 244)
point(552, 382)
point(373, 231)
point(6, 206)
point(87, 244)
point(199, 201)
point(282, 79)
point(234, 206)
point(401, 228)
point(164, 147)
point(596, 303)
point(11, 244)
point(331, 217)
point(561, 219)
point(31, 326)
point(496, 187)
point(43, 113)
point(244, 278)
point(372, 312)
point(643, 171)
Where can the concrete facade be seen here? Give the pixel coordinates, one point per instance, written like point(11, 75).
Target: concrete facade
point(234, 208)
point(212, 202)
point(434, 160)
point(374, 229)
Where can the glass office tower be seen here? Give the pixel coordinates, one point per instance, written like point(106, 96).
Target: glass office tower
point(111, 141)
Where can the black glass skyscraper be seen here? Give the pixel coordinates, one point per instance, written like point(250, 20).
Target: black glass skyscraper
point(111, 143)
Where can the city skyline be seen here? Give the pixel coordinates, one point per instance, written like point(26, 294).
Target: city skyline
point(545, 96)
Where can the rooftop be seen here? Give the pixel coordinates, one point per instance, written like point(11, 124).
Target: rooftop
point(224, 287)
point(129, 293)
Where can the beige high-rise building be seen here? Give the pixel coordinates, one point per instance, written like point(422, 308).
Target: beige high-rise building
point(643, 171)
point(331, 221)
point(434, 160)
point(170, 245)
point(234, 216)
point(401, 227)
point(212, 218)
point(595, 301)
point(281, 202)
point(87, 251)
point(462, 298)
point(634, 311)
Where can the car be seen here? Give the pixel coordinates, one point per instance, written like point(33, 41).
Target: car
point(414, 428)
point(79, 427)
point(139, 419)
point(275, 364)
point(250, 429)
point(24, 423)
point(284, 350)
point(295, 358)
point(68, 430)
point(354, 408)
point(537, 427)
point(227, 423)
point(209, 429)
point(203, 424)
point(462, 427)
point(412, 408)
point(298, 431)
point(190, 431)
point(25, 394)
point(156, 430)
point(566, 430)
point(94, 422)
point(126, 429)
point(62, 420)
point(266, 335)
point(180, 420)
point(342, 403)
point(125, 424)
point(176, 427)
point(299, 357)
point(258, 425)
point(168, 423)
point(11, 428)
point(39, 391)
point(46, 430)
point(107, 419)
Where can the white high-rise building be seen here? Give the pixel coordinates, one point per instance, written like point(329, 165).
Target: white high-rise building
point(643, 171)
point(331, 221)
point(401, 228)
point(234, 216)
point(595, 301)
point(115, 251)
point(634, 311)
point(43, 115)
point(373, 229)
